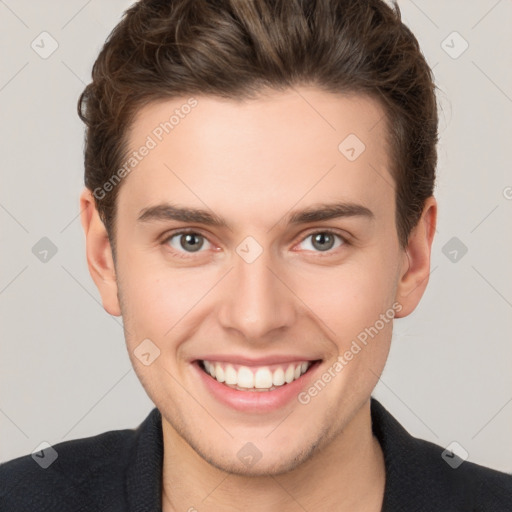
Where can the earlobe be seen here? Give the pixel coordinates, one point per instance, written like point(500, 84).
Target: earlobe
point(99, 253)
point(415, 268)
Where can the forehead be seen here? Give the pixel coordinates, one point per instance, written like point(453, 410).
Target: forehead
point(299, 145)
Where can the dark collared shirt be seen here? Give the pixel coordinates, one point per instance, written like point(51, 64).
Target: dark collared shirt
point(121, 471)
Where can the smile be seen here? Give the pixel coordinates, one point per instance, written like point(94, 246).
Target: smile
point(258, 378)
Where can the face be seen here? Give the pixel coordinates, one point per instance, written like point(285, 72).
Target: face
point(254, 243)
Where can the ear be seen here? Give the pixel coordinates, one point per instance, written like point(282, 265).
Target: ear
point(99, 253)
point(415, 269)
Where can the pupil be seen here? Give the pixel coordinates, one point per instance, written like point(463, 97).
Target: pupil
point(323, 241)
point(191, 242)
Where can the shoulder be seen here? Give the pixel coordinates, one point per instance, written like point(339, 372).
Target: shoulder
point(461, 481)
point(424, 476)
point(68, 474)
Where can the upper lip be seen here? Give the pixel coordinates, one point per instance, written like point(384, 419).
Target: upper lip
point(260, 361)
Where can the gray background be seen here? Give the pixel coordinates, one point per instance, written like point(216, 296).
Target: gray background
point(64, 368)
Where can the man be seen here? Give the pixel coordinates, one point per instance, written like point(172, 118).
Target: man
point(259, 198)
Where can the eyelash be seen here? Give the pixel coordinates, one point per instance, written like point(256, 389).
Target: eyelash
point(183, 254)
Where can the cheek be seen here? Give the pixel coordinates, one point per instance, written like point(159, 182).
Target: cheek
point(148, 296)
point(155, 298)
point(350, 297)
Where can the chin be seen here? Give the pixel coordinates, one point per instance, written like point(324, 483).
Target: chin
point(260, 465)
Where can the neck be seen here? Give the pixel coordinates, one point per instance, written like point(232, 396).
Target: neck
point(347, 474)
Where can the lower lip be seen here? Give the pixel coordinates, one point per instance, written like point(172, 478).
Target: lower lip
point(256, 401)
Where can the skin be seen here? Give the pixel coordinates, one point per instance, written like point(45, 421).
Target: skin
point(253, 164)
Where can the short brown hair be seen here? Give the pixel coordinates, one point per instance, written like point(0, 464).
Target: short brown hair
point(237, 48)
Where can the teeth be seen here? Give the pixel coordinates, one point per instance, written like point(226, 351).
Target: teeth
point(289, 374)
point(231, 375)
point(263, 379)
point(219, 373)
point(278, 377)
point(208, 367)
point(255, 379)
point(245, 377)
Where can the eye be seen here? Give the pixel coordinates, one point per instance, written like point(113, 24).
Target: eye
point(187, 241)
point(322, 241)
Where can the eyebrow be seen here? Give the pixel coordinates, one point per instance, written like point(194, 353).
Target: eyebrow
point(316, 213)
point(331, 211)
point(170, 212)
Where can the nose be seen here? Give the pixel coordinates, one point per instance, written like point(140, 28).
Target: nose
point(258, 304)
